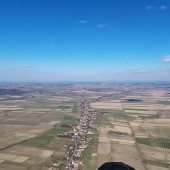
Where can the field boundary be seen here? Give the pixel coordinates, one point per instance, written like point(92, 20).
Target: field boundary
point(133, 135)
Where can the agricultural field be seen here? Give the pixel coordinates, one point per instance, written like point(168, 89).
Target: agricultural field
point(132, 125)
point(28, 117)
point(149, 119)
point(137, 125)
point(116, 142)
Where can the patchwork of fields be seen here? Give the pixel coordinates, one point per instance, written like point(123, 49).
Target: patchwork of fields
point(140, 137)
point(132, 127)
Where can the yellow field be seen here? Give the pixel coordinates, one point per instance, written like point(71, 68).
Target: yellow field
point(28, 151)
point(107, 105)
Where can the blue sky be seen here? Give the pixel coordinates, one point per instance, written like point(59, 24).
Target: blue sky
point(84, 40)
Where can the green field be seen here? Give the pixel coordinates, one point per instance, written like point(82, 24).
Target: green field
point(164, 143)
point(165, 102)
point(113, 113)
point(43, 140)
point(156, 163)
point(90, 163)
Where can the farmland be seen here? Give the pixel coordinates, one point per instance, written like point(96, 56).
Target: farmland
point(129, 125)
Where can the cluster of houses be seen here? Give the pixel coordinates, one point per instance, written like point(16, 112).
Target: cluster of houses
point(80, 135)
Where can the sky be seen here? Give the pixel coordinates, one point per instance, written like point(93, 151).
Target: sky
point(84, 40)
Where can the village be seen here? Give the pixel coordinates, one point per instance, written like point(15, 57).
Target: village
point(80, 135)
